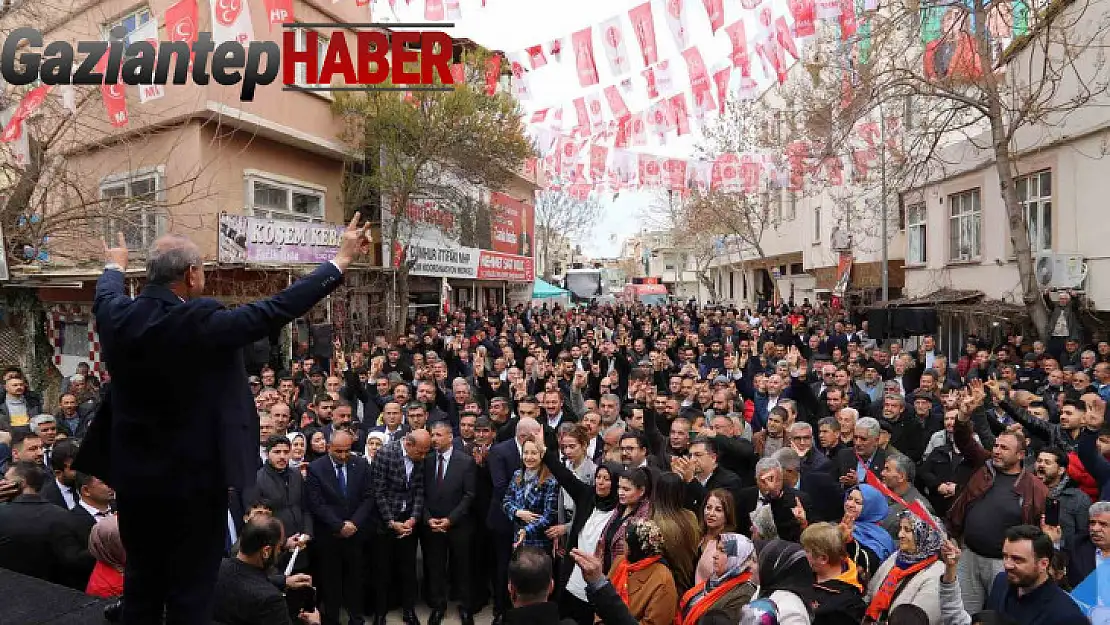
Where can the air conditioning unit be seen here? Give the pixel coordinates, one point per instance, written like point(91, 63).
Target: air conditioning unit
point(1060, 271)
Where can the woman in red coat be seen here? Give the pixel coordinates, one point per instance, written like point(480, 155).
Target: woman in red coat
point(105, 545)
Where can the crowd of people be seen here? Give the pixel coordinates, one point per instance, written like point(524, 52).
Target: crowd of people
point(660, 465)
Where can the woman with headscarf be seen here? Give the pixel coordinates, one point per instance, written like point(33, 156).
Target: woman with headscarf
point(912, 574)
point(786, 578)
point(297, 447)
point(728, 589)
point(106, 546)
point(867, 543)
point(600, 499)
point(641, 577)
point(374, 442)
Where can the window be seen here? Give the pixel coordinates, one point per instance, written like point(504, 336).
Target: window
point(283, 200)
point(915, 237)
point(301, 70)
point(792, 206)
point(75, 338)
point(796, 269)
point(964, 224)
point(129, 22)
point(817, 225)
point(1035, 193)
point(131, 206)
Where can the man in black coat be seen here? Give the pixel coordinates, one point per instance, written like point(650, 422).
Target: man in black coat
point(179, 442)
point(340, 498)
point(824, 493)
point(707, 473)
point(283, 489)
point(37, 538)
point(244, 593)
point(530, 585)
point(446, 529)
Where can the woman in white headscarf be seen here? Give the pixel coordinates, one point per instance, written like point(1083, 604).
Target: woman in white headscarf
point(374, 442)
point(729, 588)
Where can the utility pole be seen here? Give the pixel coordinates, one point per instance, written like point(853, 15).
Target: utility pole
point(882, 201)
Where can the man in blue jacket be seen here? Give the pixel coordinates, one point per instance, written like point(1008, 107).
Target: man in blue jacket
point(179, 429)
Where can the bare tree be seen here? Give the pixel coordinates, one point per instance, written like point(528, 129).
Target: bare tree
point(445, 148)
point(970, 84)
point(559, 215)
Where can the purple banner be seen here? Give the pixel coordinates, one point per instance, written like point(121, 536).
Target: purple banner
point(245, 239)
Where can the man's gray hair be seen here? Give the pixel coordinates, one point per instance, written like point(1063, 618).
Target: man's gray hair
point(870, 425)
point(802, 426)
point(788, 459)
point(460, 381)
point(169, 258)
point(41, 419)
point(613, 398)
point(1087, 353)
point(789, 404)
point(527, 425)
point(903, 465)
point(767, 464)
point(1099, 507)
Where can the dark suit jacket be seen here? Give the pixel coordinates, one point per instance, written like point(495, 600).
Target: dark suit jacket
point(38, 539)
point(327, 505)
point(503, 460)
point(397, 496)
point(244, 596)
point(53, 494)
point(82, 523)
point(288, 496)
point(846, 460)
point(825, 493)
point(160, 420)
point(453, 499)
point(749, 499)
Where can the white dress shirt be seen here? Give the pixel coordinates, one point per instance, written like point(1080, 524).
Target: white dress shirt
point(93, 512)
point(67, 494)
point(446, 459)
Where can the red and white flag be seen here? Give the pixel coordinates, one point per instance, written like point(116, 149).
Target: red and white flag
point(231, 21)
point(722, 76)
point(715, 9)
point(624, 169)
point(674, 174)
point(701, 88)
point(597, 114)
point(581, 113)
point(739, 40)
point(751, 168)
point(521, 81)
point(555, 49)
point(639, 130)
point(20, 146)
point(30, 103)
point(750, 4)
point(848, 24)
point(643, 26)
point(834, 170)
point(68, 96)
point(805, 20)
point(278, 12)
point(659, 80)
point(536, 56)
point(675, 13)
point(726, 173)
point(616, 52)
point(599, 157)
point(680, 114)
point(148, 32)
point(181, 21)
point(785, 38)
point(492, 74)
point(452, 10)
point(699, 176)
point(651, 174)
point(433, 10)
point(583, 42)
point(115, 97)
point(660, 120)
point(616, 103)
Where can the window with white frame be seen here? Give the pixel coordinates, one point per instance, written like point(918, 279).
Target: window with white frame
point(817, 225)
point(965, 223)
point(274, 199)
point(301, 70)
point(791, 206)
point(1035, 193)
point(131, 205)
point(130, 22)
point(915, 234)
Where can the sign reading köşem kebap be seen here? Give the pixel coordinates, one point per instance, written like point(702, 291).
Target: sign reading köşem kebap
point(246, 239)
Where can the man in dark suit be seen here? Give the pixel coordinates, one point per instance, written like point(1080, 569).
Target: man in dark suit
point(823, 491)
point(244, 593)
point(503, 460)
point(177, 442)
point(283, 489)
point(94, 503)
point(398, 485)
point(61, 486)
point(771, 488)
point(446, 528)
point(37, 538)
point(482, 556)
point(340, 500)
point(866, 451)
point(706, 474)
